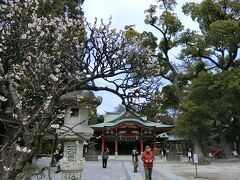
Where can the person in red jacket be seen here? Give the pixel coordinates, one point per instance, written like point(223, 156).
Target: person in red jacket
point(148, 158)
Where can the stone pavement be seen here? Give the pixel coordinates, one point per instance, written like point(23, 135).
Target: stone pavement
point(122, 169)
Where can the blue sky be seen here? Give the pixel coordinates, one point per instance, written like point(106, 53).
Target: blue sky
point(125, 12)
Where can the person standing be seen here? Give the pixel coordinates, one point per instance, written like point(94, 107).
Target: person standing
point(135, 159)
point(148, 158)
point(164, 151)
point(58, 154)
point(85, 147)
point(105, 157)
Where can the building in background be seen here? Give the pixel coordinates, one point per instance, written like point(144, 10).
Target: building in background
point(122, 131)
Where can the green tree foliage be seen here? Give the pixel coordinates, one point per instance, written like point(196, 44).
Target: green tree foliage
point(151, 111)
point(59, 7)
point(160, 67)
point(95, 119)
point(195, 108)
point(212, 102)
point(213, 49)
point(219, 41)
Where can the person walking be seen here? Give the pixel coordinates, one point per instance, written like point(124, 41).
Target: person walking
point(105, 157)
point(148, 158)
point(135, 159)
point(190, 155)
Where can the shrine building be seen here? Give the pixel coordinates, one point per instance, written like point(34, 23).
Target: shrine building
point(122, 131)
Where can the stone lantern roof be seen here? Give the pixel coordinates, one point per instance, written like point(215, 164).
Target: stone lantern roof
point(80, 97)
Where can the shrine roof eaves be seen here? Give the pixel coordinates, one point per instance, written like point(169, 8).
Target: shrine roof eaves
point(145, 124)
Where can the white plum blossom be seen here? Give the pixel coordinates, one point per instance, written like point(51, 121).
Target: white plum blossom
point(43, 87)
point(24, 36)
point(3, 6)
point(23, 149)
point(53, 77)
point(19, 104)
point(28, 32)
point(57, 70)
point(46, 104)
point(29, 150)
point(9, 15)
point(17, 77)
point(28, 58)
point(59, 38)
point(6, 168)
point(25, 4)
point(49, 97)
point(42, 34)
point(18, 148)
point(38, 28)
point(2, 98)
point(30, 25)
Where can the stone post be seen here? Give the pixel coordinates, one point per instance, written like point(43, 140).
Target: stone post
point(75, 130)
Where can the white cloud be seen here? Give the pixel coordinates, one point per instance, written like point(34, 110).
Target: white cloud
point(128, 12)
point(123, 12)
point(109, 102)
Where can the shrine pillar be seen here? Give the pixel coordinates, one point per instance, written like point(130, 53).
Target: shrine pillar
point(154, 140)
point(103, 142)
point(116, 144)
point(141, 141)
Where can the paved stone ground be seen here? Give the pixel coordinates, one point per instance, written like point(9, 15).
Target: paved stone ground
point(122, 169)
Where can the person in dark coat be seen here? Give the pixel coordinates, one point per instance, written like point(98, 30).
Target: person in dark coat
point(57, 155)
point(105, 157)
point(135, 154)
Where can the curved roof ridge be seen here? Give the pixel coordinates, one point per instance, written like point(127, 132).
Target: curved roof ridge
point(107, 112)
point(113, 116)
point(116, 116)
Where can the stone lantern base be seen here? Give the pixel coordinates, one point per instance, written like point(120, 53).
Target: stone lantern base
point(71, 171)
point(72, 162)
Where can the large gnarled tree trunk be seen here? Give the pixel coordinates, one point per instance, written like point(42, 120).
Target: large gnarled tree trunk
point(225, 145)
point(18, 159)
point(198, 150)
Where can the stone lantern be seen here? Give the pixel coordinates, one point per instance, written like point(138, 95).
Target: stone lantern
point(75, 130)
